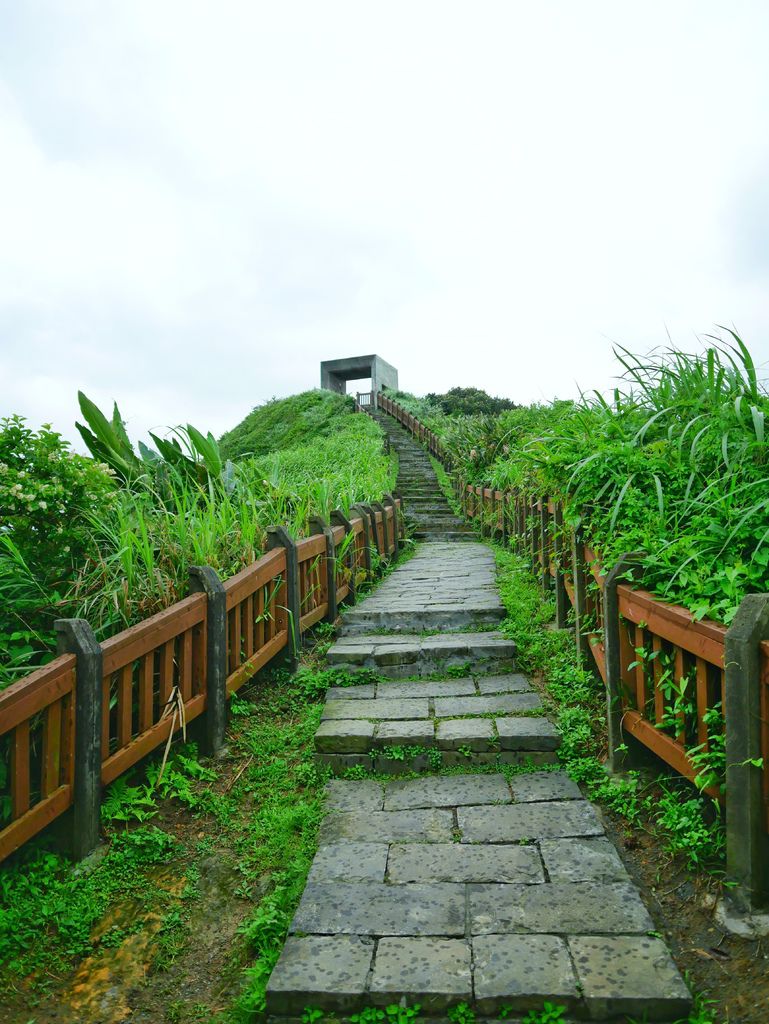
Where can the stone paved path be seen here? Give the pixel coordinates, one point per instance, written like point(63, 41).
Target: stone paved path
point(499, 890)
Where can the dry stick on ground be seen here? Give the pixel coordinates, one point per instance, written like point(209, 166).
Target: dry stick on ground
point(239, 772)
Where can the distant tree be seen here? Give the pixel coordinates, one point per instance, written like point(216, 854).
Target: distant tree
point(470, 402)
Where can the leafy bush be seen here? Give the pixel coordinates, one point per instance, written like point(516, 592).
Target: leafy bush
point(48, 495)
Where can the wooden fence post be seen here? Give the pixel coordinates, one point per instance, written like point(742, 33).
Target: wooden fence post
point(338, 518)
point(318, 525)
point(279, 537)
point(204, 580)
point(363, 512)
point(561, 597)
point(75, 636)
point(580, 593)
point(618, 754)
point(747, 841)
point(377, 506)
point(389, 500)
point(545, 538)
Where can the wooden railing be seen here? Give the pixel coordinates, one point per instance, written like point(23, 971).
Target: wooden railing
point(692, 691)
point(159, 673)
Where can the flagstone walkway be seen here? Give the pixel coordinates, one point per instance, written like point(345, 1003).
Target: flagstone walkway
point(499, 890)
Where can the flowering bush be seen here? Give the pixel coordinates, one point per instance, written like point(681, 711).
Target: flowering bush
point(46, 492)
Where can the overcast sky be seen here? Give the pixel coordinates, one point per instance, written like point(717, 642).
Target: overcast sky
point(200, 201)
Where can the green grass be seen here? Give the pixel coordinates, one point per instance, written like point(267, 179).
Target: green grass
point(287, 423)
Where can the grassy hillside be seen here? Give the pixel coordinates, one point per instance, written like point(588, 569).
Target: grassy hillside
point(287, 423)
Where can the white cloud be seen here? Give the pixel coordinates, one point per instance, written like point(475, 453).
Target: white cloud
point(198, 202)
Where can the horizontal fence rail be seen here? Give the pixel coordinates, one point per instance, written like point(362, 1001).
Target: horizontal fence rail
point(671, 683)
point(163, 673)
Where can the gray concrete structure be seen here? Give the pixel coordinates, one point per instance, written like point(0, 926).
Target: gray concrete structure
point(334, 373)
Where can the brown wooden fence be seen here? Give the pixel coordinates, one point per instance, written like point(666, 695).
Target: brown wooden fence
point(159, 672)
point(694, 692)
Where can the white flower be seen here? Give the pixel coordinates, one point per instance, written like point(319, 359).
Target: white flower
point(43, 505)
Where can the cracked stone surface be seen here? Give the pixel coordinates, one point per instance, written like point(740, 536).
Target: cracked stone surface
point(582, 860)
point(330, 972)
point(371, 908)
point(447, 791)
point(521, 971)
point(430, 826)
point(455, 862)
point(628, 974)
point(558, 907)
point(436, 973)
point(529, 821)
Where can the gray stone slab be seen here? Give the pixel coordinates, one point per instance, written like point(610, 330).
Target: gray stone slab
point(427, 688)
point(635, 974)
point(521, 972)
point(538, 786)
point(527, 734)
point(455, 862)
point(363, 795)
point(574, 908)
point(344, 737)
point(329, 972)
point(514, 683)
point(375, 710)
point(447, 791)
point(365, 692)
point(349, 862)
point(477, 734)
point(419, 733)
point(582, 860)
point(529, 821)
point(503, 703)
point(421, 826)
point(397, 654)
point(436, 973)
point(369, 908)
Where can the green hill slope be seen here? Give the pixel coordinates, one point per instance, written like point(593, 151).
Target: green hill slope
point(287, 423)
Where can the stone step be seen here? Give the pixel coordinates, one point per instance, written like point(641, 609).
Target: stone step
point(409, 901)
point(396, 727)
point(414, 655)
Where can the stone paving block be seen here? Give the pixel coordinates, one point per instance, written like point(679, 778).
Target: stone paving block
point(341, 763)
point(360, 795)
point(521, 972)
point(375, 709)
point(573, 908)
point(454, 862)
point(503, 703)
point(396, 654)
point(365, 692)
point(582, 860)
point(527, 734)
point(370, 908)
point(326, 971)
point(539, 786)
point(420, 733)
point(514, 683)
point(436, 973)
point(447, 791)
point(350, 737)
point(529, 821)
point(420, 826)
point(349, 862)
point(477, 734)
point(629, 974)
point(427, 688)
